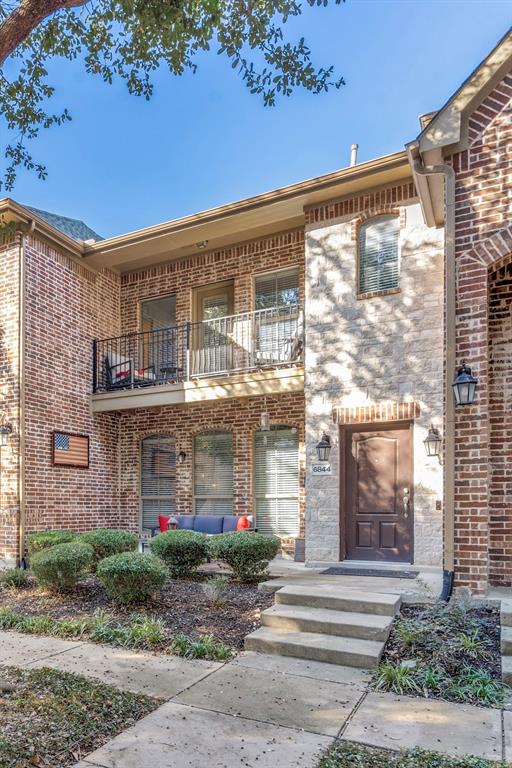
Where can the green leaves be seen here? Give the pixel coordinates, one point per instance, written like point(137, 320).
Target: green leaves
point(131, 39)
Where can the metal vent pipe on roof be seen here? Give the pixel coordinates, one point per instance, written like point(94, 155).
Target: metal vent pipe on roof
point(353, 154)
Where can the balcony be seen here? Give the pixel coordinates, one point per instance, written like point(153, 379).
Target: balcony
point(249, 353)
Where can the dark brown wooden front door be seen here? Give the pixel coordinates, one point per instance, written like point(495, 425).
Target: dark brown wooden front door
point(378, 493)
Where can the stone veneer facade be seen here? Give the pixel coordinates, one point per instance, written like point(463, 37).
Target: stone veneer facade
point(373, 358)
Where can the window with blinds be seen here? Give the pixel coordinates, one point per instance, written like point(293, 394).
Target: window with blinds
point(157, 479)
point(378, 254)
point(277, 289)
point(276, 481)
point(213, 473)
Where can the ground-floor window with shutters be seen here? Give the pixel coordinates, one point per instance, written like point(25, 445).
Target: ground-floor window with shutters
point(213, 473)
point(276, 481)
point(158, 479)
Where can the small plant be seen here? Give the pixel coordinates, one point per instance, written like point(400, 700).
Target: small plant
point(431, 680)
point(215, 589)
point(13, 578)
point(182, 551)
point(409, 634)
point(473, 645)
point(477, 686)
point(36, 542)
point(146, 631)
point(204, 647)
point(132, 577)
point(399, 679)
point(108, 541)
point(61, 566)
point(247, 553)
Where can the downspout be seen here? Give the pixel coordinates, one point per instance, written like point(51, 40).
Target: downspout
point(450, 340)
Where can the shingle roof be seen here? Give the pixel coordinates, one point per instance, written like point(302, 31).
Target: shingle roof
point(73, 228)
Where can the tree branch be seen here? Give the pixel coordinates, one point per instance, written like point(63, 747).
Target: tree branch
point(17, 26)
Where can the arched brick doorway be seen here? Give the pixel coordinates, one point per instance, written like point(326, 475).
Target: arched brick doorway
point(483, 431)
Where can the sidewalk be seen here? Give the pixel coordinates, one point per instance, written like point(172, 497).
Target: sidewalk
point(258, 710)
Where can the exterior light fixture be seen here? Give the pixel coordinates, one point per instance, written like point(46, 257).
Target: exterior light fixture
point(464, 386)
point(433, 442)
point(5, 431)
point(265, 422)
point(202, 244)
point(180, 458)
point(323, 448)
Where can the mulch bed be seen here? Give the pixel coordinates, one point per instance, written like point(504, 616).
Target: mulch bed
point(182, 606)
point(52, 719)
point(452, 651)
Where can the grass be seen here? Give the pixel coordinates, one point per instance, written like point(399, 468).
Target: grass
point(54, 718)
point(448, 651)
point(142, 632)
point(348, 755)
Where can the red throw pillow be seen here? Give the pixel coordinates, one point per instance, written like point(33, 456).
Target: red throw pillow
point(122, 374)
point(163, 522)
point(242, 523)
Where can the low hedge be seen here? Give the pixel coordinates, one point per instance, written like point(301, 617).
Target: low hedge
point(36, 542)
point(248, 554)
point(13, 578)
point(108, 541)
point(60, 567)
point(182, 551)
point(132, 577)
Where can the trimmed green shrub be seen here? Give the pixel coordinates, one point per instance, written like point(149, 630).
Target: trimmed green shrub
point(108, 541)
point(13, 577)
point(60, 567)
point(248, 554)
point(182, 551)
point(131, 577)
point(36, 542)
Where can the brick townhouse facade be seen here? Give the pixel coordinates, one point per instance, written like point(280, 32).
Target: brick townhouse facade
point(202, 360)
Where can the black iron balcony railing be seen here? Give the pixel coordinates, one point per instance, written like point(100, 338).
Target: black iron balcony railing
point(265, 338)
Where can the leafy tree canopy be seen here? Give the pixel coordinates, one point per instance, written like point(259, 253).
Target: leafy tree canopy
point(131, 39)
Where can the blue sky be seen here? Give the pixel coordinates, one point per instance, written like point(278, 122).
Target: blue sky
point(203, 140)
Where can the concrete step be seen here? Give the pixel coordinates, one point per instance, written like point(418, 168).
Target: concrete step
point(506, 669)
point(506, 641)
point(365, 626)
point(345, 651)
point(338, 599)
point(506, 613)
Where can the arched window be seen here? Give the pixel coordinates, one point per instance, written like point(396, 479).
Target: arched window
point(157, 479)
point(276, 481)
point(213, 473)
point(379, 267)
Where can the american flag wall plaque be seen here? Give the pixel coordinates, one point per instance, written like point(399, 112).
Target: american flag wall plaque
point(69, 450)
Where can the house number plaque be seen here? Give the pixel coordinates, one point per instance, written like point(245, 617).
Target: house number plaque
point(321, 469)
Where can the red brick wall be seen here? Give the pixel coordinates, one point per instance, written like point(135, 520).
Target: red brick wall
point(10, 399)
point(240, 263)
point(483, 212)
point(241, 417)
point(66, 307)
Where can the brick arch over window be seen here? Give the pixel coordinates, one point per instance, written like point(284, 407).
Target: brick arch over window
point(372, 213)
point(480, 529)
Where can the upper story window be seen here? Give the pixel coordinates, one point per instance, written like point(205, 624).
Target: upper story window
point(379, 268)
point(158, 313)
point(277, 289)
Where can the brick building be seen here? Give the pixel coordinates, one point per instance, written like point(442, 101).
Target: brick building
point(192, 367)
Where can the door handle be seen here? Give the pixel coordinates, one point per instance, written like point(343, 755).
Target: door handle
point(405, 502)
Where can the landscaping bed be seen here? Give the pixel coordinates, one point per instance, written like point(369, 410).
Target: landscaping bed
point(447, 651)
point(349, 755)
point(181, 607)
point(54, 718)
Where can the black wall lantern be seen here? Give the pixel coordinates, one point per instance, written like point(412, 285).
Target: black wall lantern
point(464, 386)
point(432, 442)
point(5, 431)
point(180, 458)
point(323, 448)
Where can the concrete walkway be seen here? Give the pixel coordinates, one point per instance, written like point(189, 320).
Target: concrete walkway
point(258, 711)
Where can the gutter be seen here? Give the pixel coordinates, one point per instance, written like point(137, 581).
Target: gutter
point(450, 340)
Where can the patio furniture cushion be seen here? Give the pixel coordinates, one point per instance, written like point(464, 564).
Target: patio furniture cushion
point(208, 523)
point(185, 522)
point(229, 523)
point(163, 522)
